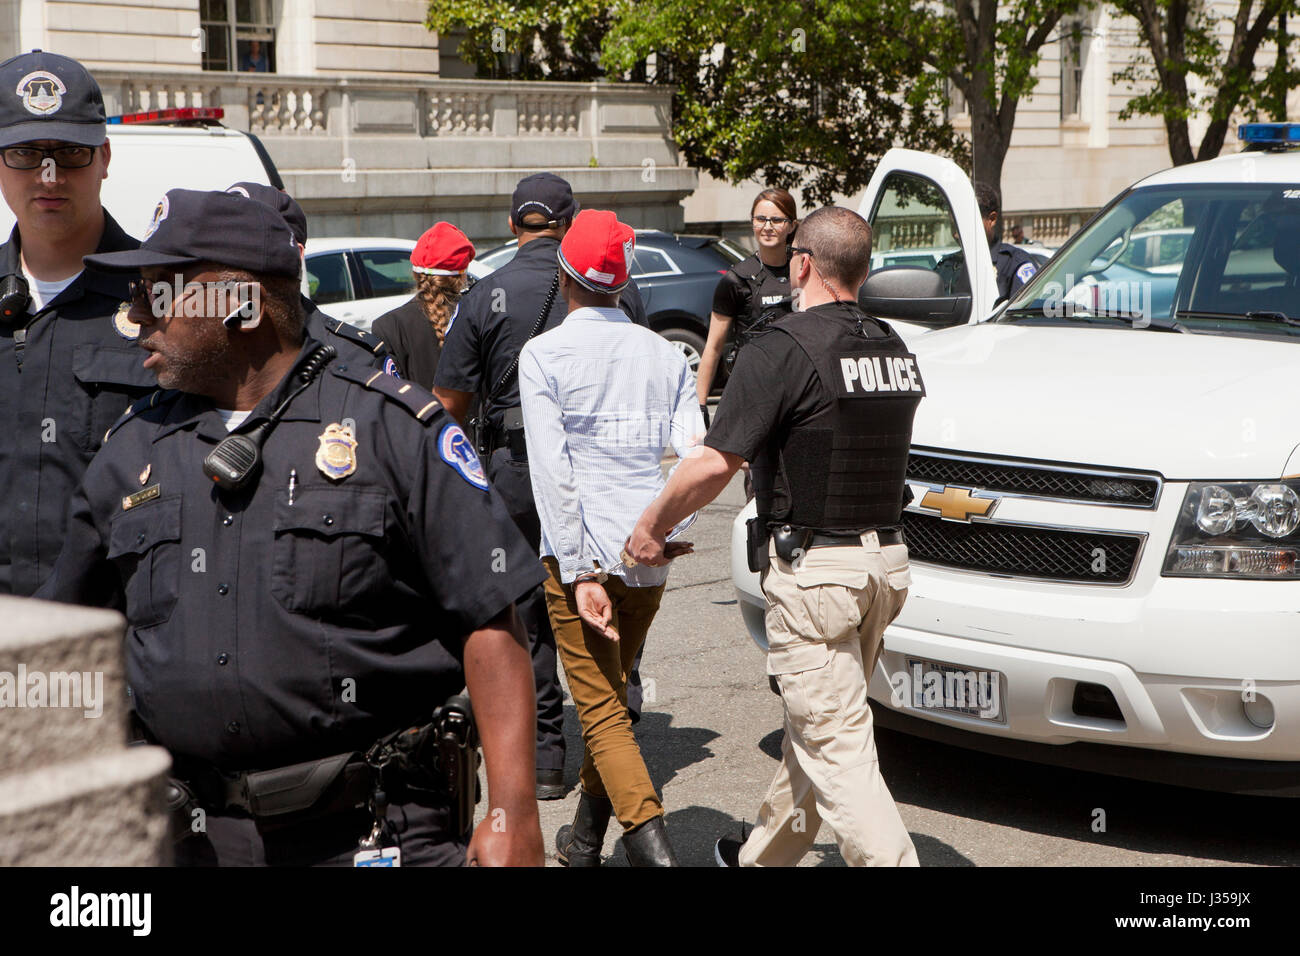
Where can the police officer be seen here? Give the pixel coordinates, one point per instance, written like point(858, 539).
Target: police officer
point(822, 406)
point(286, 532)
point(1014, 265)
point(480, 356)
point(753, 291)
point(351, 343)
point(68, 365)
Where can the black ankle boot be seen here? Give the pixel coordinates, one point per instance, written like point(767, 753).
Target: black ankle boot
point(648, 845)
point(580, 843)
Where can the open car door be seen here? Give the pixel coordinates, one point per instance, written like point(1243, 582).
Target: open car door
point(925, 220)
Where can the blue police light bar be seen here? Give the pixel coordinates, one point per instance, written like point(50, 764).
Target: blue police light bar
point(1269, 134)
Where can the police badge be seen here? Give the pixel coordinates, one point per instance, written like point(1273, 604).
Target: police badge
point(337, 455)
point(124, 326)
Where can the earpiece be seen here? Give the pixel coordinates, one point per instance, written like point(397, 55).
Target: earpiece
point(246, 315)
point(236, 319)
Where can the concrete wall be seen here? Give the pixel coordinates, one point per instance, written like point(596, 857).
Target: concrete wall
point(117, 35)
point(375, 38)
point(71, 792)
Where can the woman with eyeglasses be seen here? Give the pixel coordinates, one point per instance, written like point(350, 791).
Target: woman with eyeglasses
point(753, 291)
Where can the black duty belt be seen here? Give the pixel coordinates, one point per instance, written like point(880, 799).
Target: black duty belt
point(891, 536)
point(316, 788)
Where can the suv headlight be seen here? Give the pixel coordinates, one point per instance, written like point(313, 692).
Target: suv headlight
point(1237, 530)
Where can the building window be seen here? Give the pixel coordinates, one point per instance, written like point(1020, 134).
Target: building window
point(956, 101)
point(1071, 70)
point(239, 35)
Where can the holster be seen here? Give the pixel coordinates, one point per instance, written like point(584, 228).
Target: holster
point(791, 543)
point(756, 538)
point(512, 424)
point(480, 433)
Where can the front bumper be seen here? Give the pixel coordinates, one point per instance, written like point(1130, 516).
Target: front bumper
point(1180, 657)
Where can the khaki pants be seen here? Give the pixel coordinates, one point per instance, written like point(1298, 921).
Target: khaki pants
point(826, 618)
point(597, 669)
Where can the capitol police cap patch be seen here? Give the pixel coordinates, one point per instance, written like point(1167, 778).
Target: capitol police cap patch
point(44, 96)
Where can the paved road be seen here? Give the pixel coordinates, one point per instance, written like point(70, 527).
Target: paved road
point(712, 734)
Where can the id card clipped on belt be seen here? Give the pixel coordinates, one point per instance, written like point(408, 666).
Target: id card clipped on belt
point(371, 848)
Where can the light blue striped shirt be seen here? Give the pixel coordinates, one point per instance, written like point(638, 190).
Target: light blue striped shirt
point(602, 398)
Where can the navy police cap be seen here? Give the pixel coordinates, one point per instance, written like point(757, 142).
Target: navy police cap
point(280, 201)
point(190, 226)
point(44, 96)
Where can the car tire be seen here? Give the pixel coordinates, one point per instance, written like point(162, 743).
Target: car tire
point(689, 343)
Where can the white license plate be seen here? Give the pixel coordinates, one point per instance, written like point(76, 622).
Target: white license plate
point(952, 689)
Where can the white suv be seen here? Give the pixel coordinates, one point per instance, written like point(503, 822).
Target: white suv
point(1105, 524)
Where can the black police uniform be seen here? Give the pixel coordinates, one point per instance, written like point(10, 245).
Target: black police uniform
point(753, 294)
point(821, 405)
point(304, 616)
point(66, 374)
point(495, 319)
point(1014, 266)
point(409, 336)
point(353, 344)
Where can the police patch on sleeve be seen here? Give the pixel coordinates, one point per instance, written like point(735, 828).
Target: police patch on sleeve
point(390, 367)
point(1026, 271)
point(455, 449)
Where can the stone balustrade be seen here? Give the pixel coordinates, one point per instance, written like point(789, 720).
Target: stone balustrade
point(386, 157)
point(324, 106)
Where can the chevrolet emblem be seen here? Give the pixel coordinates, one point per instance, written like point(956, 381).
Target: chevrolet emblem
point(958, 504)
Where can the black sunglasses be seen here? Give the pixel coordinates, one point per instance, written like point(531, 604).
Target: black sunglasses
point(31, 157)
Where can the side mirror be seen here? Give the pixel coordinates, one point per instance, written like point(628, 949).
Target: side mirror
point(913, 294)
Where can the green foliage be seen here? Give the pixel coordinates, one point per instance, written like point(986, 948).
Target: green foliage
point(526, 39)
point(1214, 47)
point(796, 93)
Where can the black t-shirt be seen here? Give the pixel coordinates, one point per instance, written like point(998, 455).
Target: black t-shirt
point(773, 386)
point(733, 297)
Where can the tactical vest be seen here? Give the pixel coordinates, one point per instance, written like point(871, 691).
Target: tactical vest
point(843, 470)
point(769, 296)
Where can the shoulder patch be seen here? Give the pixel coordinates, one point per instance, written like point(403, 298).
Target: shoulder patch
point(410, 396)
point(371, 343)
point(455, 448)
point(390, 367)
point(142, 404)
point(1026, 271)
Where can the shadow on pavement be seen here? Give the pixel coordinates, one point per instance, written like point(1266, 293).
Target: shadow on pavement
point(1146, 817)
point(665, 749)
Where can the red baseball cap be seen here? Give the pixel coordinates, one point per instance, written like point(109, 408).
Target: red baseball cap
point(597, 250)
point(442, 251)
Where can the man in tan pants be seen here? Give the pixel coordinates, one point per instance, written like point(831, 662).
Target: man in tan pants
point(826, 615)
point(821, 405)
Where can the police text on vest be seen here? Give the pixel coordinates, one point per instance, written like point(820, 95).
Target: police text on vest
point(875, 373)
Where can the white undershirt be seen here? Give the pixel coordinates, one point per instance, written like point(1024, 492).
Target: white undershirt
point(42, 292)
point(231, 418)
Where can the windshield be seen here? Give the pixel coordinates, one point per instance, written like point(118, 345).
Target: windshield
point(1221, 259)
